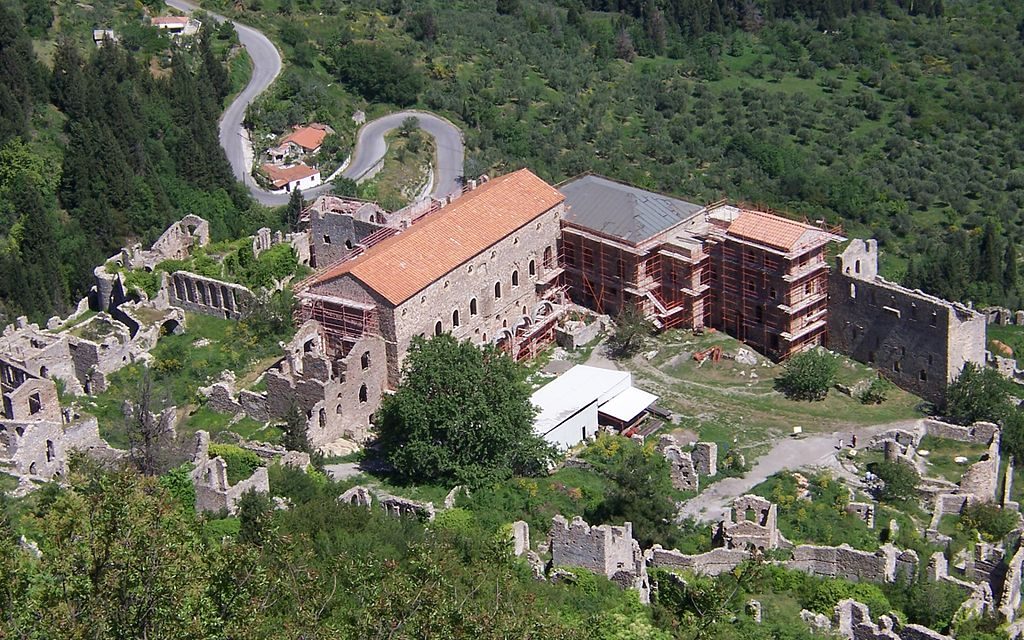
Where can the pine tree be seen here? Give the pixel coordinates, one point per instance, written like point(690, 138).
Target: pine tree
point(1010, 267)
point(991, 269)
point(294, 210)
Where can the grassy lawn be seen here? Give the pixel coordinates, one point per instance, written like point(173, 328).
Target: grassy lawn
point(941, 453)
point(1010, 335)
point(724, 400)
point(206, 419)
point(180, 367)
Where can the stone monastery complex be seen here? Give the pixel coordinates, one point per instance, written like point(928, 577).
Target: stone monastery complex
point(501, 263)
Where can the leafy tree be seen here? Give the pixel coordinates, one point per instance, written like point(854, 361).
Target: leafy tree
point(641, 492)
point(808, 375)
point(632, 329)
point(255, 513)
point(991, 521)
point(900, 480)
point(876, 392)
point(460, 415)
point(978, 393)
point(377, 73)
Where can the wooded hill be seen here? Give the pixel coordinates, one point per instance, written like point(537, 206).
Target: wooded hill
point(101, 147)
point(900, 119)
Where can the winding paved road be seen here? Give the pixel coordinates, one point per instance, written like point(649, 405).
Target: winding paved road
point(370, 144)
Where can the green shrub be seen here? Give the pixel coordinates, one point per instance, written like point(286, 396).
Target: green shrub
point(900, 480)
point(241, 463)
point(178, 483)
point(877, 391)
point(992, 522)
point(824, 597)
point(146, 281)
point(808, 375)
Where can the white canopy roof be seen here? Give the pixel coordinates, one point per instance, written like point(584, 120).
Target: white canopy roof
point(572, 391)
point(628, 405)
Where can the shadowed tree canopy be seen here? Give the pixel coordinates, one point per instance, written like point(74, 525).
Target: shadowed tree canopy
point(461, 415)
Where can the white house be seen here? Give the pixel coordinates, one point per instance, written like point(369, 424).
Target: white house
point(570, 407)
point(297, 176)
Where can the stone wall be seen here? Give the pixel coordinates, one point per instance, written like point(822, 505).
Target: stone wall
point(208, 296)
point(846, 562)
point(1010, 601)
point(604, 549)
point(981, 480)
point(753, 525)
point(705, 458)
point(977, 433)
point(338, 228)
point(918, 341)
point(864, 511)
point(852, 620)
point(395, 506)
point(711, 563)
point(210, 479)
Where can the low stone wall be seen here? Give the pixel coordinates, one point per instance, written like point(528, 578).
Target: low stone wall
point(852, 620)
point(852, 564)
point(199, 294)
point(574, 334)
point(711, 563)
point(977, 433)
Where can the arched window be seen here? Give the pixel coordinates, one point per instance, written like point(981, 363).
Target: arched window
point(533, 267)
point(455, 318)
point(362, 394)
point(497, 291)
point(365, 360)
point(472, 307)
point(548, 262)
point(853, 290)
point(515, 278)
point(437, 328)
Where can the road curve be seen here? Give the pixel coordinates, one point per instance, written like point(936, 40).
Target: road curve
point(370, 145)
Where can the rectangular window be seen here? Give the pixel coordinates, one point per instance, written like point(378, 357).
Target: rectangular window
point(327, 239)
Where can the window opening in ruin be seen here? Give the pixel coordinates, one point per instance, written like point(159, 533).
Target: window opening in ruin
point(472, 307)
point(903, 351)
point(504, 324)
point(913, 312)
point(35, 404)
point(809, 288)
point(935, 319)
point(437, 328)
point(32, 469)
point(497, 291)
point(515, 240)
point(930, 359)
point(43, 371)
point(853, 290)
point(923, 375)
point(327, 239)
point(485, 337)
point(772, 293)
point(308, 346)
point(323, 418)
point(871, 356)
point(547, 257)
point(515, 278)
point(533, 268)
point(365, 360)
point(856, 267)
point(896, 366)
point(362, 394)
point(49, 451)
point(455, 318)
point(349, 245)
point(338, 409)
point(750, 515)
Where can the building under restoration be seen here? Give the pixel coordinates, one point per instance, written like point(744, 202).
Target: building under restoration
point(760, 277)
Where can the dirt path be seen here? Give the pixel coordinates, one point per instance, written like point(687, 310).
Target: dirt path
point(789, 453)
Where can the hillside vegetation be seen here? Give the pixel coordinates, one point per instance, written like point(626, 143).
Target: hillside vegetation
point(902, 122)
point(100, 147)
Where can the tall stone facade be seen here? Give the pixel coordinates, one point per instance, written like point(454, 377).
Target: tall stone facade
point(918, 341)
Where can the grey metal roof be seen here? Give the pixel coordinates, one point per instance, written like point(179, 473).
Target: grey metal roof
point(620, 210)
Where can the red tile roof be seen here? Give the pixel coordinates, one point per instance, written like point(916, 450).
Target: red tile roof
point(308, 138)
point(771, 230)
point(403, 265)
point(280, 176)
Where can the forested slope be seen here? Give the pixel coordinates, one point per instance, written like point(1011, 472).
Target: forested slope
point(900, 119)
point(102, 146)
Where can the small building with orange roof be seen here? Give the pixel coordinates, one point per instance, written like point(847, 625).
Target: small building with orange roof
point(302, 141)
point(290, 178)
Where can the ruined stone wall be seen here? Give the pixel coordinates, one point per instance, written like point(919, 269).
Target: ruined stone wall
point(977, 433)
point(852, 564)
point(918, 341)
point(35, 399)
point(332, 235)
point(210, 479)
point(852, 620)
point(981, 479)
point(25, 347)
point(1010, 601)
point(753, 524)
point(604, 549)
point(199, 294)
point(711, 563)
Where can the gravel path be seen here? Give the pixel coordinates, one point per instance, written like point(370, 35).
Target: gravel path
point(810, 451)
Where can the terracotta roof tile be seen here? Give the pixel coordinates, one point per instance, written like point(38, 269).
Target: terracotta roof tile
point(281, 176)
point(771, 230)
point(308, 138)
point(403, 265)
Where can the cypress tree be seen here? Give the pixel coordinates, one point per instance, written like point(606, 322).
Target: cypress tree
point(1010, 268)
point(294, 210)
point(991, 269)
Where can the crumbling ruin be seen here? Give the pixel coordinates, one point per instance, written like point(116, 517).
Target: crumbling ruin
point(210, 479)
point(395, 506)
point(753, 525)
point(918, 341)
point(604, 549)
